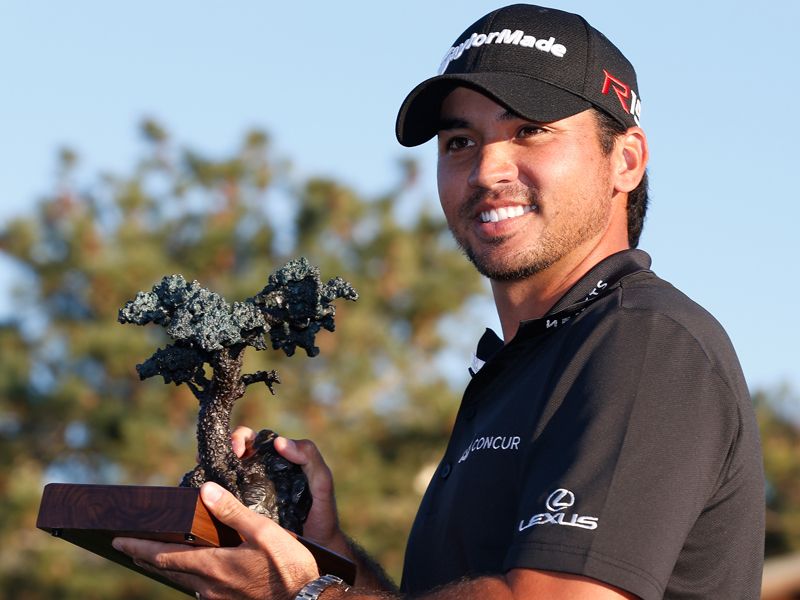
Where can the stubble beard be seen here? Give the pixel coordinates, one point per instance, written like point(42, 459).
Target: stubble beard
point(567, 232)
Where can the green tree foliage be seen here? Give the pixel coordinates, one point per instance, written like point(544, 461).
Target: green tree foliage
point(72, 407)
point(778, 414)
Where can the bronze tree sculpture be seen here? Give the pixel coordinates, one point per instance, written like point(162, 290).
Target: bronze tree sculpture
point(208, 331)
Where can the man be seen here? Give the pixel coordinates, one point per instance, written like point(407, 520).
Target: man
point(606, 446)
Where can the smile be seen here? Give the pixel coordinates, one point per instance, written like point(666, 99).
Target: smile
point(503, 213)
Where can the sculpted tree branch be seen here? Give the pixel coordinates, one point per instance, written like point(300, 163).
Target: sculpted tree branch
point(209, 339)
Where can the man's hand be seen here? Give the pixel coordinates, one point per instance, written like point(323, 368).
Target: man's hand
point(270, 563)
point(322, 525)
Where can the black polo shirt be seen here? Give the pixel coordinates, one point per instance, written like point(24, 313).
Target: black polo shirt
point(615, 439)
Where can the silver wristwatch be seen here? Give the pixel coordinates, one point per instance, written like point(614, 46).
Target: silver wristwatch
point(313, 589)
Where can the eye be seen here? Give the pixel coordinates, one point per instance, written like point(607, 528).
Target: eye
point(530, 130)
point(456, 143)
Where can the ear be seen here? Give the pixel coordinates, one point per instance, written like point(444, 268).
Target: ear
point(631, 155)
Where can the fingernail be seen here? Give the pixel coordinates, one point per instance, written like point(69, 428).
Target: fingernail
point(210, 493)
point(116, 545)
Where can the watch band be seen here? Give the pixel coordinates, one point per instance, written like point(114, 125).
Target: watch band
point(313, 589)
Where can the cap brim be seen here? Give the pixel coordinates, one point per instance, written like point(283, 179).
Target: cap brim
point(418, 119)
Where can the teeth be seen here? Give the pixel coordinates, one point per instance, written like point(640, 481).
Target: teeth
point(503, 213)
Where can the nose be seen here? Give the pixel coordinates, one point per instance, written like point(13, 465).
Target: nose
point(494, 165)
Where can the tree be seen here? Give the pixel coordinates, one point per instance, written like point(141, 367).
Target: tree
point(779, 420)
point(72, 407)
point(210, 334)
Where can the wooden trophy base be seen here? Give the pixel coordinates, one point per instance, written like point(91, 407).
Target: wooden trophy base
point(90, 516)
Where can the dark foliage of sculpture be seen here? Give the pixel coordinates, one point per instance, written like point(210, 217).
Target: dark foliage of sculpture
point(209, 339)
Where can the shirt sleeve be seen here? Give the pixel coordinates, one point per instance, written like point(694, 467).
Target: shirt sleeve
point(635, 439)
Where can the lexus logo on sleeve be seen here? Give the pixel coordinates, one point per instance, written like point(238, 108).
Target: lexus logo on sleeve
point(557, 504)
point(559, 500)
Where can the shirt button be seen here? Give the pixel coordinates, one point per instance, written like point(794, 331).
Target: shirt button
point(445, 472)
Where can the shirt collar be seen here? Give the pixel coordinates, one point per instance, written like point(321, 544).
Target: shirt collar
point(609, 271)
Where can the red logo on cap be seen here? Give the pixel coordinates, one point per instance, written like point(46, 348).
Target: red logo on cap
point(623, 92)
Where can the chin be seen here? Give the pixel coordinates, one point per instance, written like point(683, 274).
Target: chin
point(507, 270)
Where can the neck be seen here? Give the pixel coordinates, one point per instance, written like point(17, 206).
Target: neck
point(533, 297)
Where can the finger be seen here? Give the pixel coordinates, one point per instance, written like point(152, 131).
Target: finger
point(306, 454)
point(138, 549)
point(322, 524)
point(156, 558)
point(261, 535)
point(225, 507)
point(242, 440)
point(188, 582)
point(159, 555)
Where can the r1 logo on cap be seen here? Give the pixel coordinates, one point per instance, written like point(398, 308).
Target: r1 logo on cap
point(623, 92)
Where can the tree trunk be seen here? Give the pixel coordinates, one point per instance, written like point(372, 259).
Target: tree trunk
point(217, 459)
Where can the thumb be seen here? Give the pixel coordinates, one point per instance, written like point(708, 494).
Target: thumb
point(225, 507)
point(306, 454)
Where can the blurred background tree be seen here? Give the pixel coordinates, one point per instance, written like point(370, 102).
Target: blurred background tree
point(778, 412)
point(379, 400)
point(73, 409)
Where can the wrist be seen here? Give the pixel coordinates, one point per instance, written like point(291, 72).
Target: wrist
point(335, 592)
point(326, 584)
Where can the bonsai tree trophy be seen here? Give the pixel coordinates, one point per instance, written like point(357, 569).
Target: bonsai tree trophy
point(207, 330)
point(209, 338)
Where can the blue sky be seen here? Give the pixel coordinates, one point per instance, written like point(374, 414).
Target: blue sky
point(718, 81)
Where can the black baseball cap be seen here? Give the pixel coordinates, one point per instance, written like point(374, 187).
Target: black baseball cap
point(542, 64)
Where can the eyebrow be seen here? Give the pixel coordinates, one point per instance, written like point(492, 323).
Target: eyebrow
point(447, 124)
point(459, 123)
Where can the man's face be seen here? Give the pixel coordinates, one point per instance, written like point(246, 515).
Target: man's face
point(518, 195)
